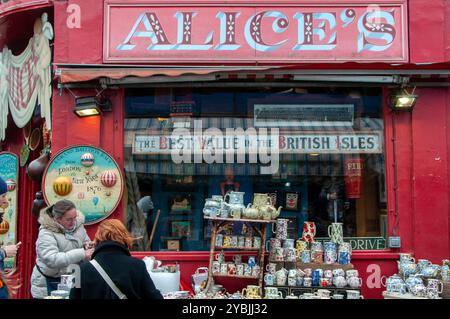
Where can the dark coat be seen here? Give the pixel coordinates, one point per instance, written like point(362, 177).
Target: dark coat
point(128, 273)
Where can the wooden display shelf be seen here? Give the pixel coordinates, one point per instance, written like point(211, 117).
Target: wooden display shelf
point(262, 221)
point(237, 248)
point(235, 276)
point(324, 266)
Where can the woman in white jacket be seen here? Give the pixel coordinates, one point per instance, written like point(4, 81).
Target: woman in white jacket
point(60, 243)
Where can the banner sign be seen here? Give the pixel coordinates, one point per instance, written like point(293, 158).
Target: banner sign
point(242, 31)
point(9, 172)
point(301, 143)
point(89, 177)
point(361, 243)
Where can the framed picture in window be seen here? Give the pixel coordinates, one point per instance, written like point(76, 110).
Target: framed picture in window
point(292, 201)
point(173, 244)
point(180, 204)
point(181, 228)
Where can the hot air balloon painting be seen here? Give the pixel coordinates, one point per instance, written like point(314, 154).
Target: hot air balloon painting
point(108, 178)
point(62, 186)
point(4, 227)
point(87, 159)
point(95, 200)
point(10, 185)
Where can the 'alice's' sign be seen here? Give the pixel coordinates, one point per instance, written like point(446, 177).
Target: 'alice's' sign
point(233, 31)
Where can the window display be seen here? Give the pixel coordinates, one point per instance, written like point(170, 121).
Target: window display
point(315, 156)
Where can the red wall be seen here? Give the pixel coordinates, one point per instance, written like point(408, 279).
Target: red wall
point(105, 131)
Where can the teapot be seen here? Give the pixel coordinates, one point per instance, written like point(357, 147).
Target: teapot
point(251, 212)
point(414, 280)
point(431, 271)
point(261, 200)
point(270, 210)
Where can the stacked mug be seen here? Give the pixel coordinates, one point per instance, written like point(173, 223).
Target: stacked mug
point(316, 252)
point(344, 253)
point(233, 241)
point(235, 268)
point(330, 254)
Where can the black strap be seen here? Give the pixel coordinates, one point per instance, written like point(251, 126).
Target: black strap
point(48, 277)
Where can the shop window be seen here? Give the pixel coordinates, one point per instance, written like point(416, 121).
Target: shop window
point(328, 165)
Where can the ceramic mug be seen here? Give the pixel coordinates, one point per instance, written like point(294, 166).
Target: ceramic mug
point(336, 233)
point(256, 270)
point(352, 273)
point(247, 270)
point(338, 272)
point(234, 241)
point(354, 294)
point(301, 245)
point(344, 257)
point(231, 269)
point(241, 241)
point(227, 241)
point(435, 284)
point(249, 242)
point(325, 282)
point(307, 282)
point(340, 281)
point(219, 240)
point(272, 244)
point(281, 228)
point(309, 231)
point(223, 268)
point(317, 256)
point(236, 213)
point(252, 261)
point(290, 254)
point(256, 242)
point(220, 257)
point(216, 267)
point(288, 243)
point(237, 259)
point(324, 293)
point(279, 254)
point(240, 270)
point(306, 256)
point(406, 258)
point(271, 268)
point(354, 282)
point(292, 281)
point(268, 279)
point(338, 296)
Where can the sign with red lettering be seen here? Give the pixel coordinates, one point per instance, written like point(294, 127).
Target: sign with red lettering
point(154, 31)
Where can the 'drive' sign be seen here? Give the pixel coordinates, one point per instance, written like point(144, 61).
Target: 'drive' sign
point(235, 31)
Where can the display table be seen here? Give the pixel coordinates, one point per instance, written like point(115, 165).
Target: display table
point(393, 295)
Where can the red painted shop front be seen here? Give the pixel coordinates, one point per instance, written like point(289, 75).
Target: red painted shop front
point(89, 33)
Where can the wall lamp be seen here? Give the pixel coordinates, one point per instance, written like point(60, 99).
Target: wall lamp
point(91, 106)
point(403, 101)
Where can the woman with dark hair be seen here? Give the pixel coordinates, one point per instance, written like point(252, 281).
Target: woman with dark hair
point(113, 273)
point(60, 243)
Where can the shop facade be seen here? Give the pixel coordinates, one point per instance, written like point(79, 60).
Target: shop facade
point(189, 67)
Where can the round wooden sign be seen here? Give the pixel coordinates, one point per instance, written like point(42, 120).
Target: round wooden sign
point(89, 177)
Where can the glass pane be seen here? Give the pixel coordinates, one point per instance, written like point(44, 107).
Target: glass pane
point(318, 153)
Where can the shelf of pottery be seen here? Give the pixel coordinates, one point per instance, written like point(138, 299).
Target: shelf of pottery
point(419, 279)
point(307, 269)
point(224, 212)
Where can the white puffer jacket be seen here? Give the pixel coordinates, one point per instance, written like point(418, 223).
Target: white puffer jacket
point(55, 250)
